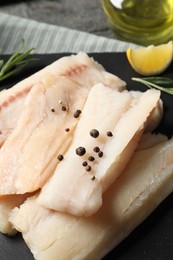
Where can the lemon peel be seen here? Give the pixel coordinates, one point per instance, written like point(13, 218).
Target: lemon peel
point(151, 60)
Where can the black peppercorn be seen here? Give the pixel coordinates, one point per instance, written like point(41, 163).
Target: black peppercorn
point(60, 157)
point(77, 113)
point(91, 158)
point(80, 151)
point(94, 133)
point(88, 168)
point(64, 108)
point(85, 163)
point(100, 154)
point(96, 149)
point(109, 133)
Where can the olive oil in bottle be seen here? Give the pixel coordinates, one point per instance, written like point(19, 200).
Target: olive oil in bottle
point(141, 21)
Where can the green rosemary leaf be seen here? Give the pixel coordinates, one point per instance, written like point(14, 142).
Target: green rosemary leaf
point(159, 80)
point(152, 83)
point(13, 57)
point(2, 77)
point(1, 63)
point(16, 62)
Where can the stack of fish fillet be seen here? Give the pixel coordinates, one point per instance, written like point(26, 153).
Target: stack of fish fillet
point(78, 162)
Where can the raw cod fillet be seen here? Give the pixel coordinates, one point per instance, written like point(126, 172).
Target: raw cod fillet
point(71, 188)
point(29, 154)
point(80, 68)
point(7, 203)
point(145, 183)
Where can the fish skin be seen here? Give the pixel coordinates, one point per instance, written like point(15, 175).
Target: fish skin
point(70, 188)
point(127, 203)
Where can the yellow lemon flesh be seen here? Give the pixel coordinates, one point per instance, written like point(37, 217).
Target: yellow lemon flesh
point(151, 60)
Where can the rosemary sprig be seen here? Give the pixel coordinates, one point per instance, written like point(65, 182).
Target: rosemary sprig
point(16, 62)
point(152, 82)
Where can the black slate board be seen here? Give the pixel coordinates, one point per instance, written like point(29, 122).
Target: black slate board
point(153, 239)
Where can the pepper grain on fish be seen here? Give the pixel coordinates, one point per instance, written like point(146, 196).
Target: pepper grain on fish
point(85, 163)
point(91, 158)
point(100, 154)
point(64, 108)
point(77, 113)
point(94, 133)
point(109, 133)
point(80, 151)
point(60, 157)
point(96, 149)
point(88, 168)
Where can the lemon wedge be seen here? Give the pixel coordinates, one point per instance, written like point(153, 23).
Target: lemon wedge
point(151, 60)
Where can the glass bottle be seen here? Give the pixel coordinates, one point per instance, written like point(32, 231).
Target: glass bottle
point(143, 22)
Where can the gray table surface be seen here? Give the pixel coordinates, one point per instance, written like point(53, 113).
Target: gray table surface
point(83, 15)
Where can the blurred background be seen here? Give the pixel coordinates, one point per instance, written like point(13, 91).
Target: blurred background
point(84, 15)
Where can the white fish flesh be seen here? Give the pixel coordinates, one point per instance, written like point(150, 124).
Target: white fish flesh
point(29, 154)
point(72, 188)
point(155, 116)
point(7, 203)
point(150, 139)
point(144, 184)
point(80, 68)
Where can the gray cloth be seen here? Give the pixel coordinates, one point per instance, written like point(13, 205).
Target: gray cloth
point(83, 15)
point(46, 38)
